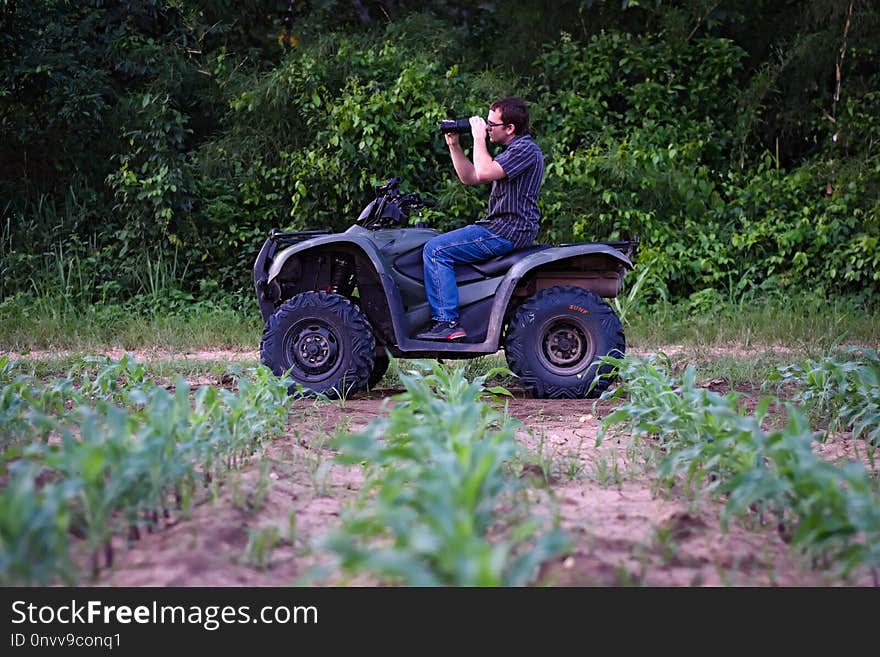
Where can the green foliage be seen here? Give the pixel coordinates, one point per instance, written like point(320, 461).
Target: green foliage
point(786, 230)
point(364, 112)
point(640, 153)
point(134, 133)
point(649, 152)
point(152, 181)
point(617, 81)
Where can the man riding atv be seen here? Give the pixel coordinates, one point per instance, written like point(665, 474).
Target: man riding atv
point(512, 220)
point(336, 306)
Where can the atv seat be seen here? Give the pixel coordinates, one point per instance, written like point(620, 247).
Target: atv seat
point(411, 264)
point(500, 264)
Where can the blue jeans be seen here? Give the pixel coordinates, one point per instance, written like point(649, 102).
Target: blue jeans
point(441, 254)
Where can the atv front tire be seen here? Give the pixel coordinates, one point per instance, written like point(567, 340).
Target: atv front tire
point(555, 340)
point(324, 340)
point(380, 367)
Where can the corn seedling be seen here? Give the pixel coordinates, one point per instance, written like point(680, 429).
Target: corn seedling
point(829, 512)
point(574, 467)
point(437, 507)
point(125, 453)
point(260, 545)
point(843, 394)
point(623, 304)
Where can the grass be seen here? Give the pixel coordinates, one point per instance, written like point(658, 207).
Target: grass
point(471, 368)
point(162, 369)
point(39, 326)
point(737, 342)
point(744, 371)
point(805, 324)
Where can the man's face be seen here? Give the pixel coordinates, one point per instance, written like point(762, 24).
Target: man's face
point(499, 132)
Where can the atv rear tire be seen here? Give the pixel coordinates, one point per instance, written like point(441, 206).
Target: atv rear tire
point(555, 340)
point(325, 342)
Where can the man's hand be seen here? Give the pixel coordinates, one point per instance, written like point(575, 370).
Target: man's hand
point(451, 139)
point(478, 128)
point(485, 168)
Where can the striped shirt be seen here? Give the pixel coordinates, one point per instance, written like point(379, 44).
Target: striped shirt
point(513, 203)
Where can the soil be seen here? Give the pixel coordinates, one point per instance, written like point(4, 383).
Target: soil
point(625, 529)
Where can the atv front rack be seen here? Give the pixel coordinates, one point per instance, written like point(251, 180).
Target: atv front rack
point(292, 238)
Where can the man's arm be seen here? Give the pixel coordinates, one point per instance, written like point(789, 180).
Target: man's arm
point(483, 169)
point(463, 166)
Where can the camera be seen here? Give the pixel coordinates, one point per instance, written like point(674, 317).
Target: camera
point(461, 126)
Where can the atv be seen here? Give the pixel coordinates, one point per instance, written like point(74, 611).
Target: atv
point(336, 305)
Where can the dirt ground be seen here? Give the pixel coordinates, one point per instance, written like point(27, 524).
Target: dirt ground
point(624, 530)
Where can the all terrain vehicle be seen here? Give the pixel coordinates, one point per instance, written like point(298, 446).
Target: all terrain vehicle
point(335, 305)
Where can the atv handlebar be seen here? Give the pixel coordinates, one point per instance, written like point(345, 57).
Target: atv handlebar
point(390, 207)
point(414, 201)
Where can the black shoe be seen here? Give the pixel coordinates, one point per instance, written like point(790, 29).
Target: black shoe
point(443, 331)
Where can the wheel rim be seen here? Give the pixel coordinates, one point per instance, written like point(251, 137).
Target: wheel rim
point(565, 346)
point(312, 349)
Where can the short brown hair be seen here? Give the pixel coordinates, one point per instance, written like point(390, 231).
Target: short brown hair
point(513, 110)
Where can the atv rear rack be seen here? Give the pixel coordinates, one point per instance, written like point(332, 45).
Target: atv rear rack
point(629, 248)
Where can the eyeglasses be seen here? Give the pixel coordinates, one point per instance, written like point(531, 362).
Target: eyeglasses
point(491, 125)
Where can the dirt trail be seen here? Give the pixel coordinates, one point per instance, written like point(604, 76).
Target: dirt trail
point(240, 355)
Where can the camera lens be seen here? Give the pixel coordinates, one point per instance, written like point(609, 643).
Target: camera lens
point(461, 126)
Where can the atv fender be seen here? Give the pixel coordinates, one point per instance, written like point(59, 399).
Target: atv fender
point(343, 239)
point(596, 266)
point(594, 259)
point(606, 279)
point(350, 241)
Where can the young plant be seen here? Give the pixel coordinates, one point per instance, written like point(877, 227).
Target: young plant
point(827, 511)
point(844, 394)
point(438, 506)
point(124, 451)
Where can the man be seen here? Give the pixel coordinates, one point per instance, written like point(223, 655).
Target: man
point(513, 217)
